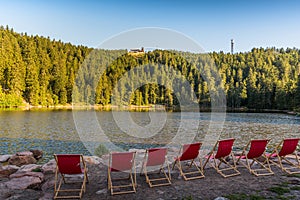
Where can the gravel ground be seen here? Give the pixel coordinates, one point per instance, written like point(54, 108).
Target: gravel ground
point(244, 186)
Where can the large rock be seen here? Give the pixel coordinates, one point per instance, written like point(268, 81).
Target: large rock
point(24, 153)
point(49, 167)
point(49, 184)
point(4, 158)
point(20, 174)
point(24, 182)
point(37, 154)
point(31, 168)
point(20, 160)
point(7, 170)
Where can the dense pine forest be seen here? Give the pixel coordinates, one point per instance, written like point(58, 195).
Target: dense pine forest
point(35, 70)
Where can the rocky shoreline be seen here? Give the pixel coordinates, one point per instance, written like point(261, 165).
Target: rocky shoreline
point(22, 178)
point(28, 180)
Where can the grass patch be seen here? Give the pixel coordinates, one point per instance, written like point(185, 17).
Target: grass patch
point(284, 184)
point(293, 175)
point(295, 188)
point(244, 197)
point(37, 170)
point(187, 198)
point(279, 190)
point(285, 197)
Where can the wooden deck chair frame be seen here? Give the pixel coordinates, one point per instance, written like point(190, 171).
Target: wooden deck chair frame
point(252, 152)
point(282, 150)
point(122, 162)
point(156, 157)
point(189, 152)
point(221, 151)
point(76, 165)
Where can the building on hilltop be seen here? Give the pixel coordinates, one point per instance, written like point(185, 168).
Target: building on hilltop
point(137, 50)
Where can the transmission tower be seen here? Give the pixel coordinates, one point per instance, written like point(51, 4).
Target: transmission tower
point(232, 43)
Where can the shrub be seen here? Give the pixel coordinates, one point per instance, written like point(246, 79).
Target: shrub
point(101, 150)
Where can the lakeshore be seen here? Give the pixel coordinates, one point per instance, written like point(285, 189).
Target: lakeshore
point(36, 182)
point(146, 108)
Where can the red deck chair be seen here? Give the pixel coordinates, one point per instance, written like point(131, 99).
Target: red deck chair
point(122, 162)
point(286, 154)
point(255, 150)
point(156, 157)
point(189, 152)
point(220, 153)
point(69, 164)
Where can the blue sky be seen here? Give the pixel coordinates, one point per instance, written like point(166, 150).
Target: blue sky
point(211, 24)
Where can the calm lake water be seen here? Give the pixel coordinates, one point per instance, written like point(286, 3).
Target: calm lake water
point(63, 131)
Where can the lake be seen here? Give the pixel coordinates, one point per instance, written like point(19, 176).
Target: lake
point(67, 131)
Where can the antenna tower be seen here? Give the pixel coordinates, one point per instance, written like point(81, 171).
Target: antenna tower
point(232, 43)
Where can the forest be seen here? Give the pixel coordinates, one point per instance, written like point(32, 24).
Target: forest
point(40, 71)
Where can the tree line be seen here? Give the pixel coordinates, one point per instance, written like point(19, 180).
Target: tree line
point(39, 71)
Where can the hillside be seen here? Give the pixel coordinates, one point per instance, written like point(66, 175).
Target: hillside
point(46, 72)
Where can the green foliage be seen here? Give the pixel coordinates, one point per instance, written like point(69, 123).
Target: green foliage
point(293, 175)
point(279, 190)
point(285, 197)
point(41, 71)
point(37, 70)
point(37, 170)
point(187, 198)
point(295, 188)
point(101, 150)
point(9, 100)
